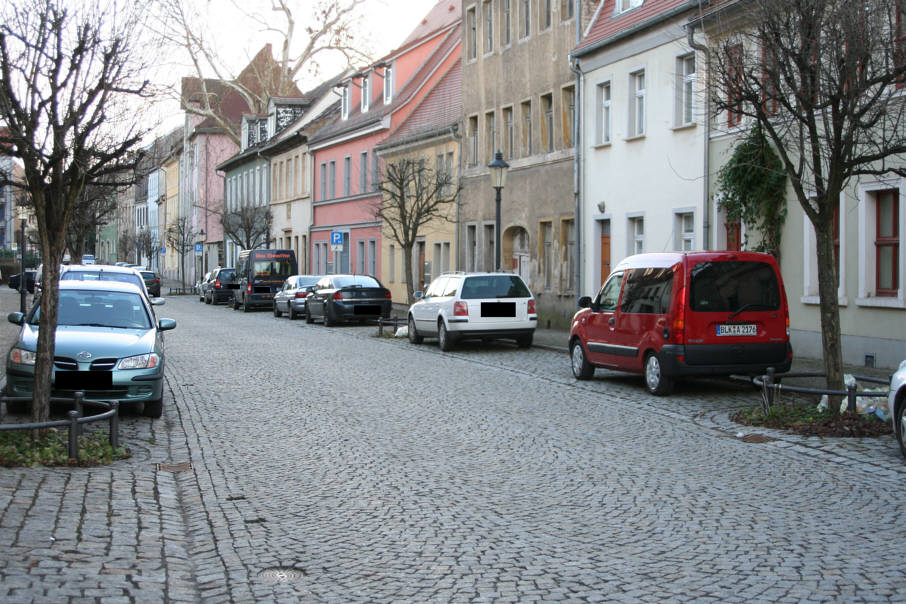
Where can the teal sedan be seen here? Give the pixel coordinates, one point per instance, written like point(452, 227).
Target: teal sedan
point(109, 344)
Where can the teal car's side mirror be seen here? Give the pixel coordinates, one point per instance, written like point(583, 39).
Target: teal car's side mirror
point(16, 318)
point(166, 324)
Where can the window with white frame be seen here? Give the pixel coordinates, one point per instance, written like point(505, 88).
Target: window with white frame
point(471, 247)
point(375, 172)
point(567, 9)
point(568, 112)
point(568, 242)
point(388, 85)
point(490, 128)
point(391, 264)
point(471, 35)
point(621, 6)
point(366, 93)
point(604, 113)
point(372, 257)
point(331, 179)
point(323, 181)
point(684, 227)
point(472, 140)
point(685, 81)
point(525, 18)
point(637, 103)
point(882, 257)
point(526, 128)
point(344, 103)
point(363, 172)
point(360, 256)
point(487, 12)
point(347, 176)
point(547, 253)
point(636, 234)
point(810, 259)
point(508, 133)
point(507, 22)
point(546, 13)
point(547, 122)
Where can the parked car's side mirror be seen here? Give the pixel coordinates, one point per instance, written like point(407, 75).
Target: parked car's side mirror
point(585, 302)
point(166, 324)
point(158, 301)
point(418, 295)
point(16, 318)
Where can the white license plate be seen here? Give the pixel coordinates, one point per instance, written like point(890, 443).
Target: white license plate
point(748, 329)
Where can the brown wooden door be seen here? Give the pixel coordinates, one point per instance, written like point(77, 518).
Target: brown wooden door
point(605, 257)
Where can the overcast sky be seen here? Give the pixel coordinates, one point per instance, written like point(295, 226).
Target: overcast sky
point(385, 24)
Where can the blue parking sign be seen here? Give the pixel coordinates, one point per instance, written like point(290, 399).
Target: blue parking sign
point(336, 238)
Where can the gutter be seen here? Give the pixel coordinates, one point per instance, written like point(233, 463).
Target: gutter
point(578, 189)
point(706, 163)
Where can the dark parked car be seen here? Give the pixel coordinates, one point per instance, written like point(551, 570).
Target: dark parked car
point(29, 281)
point(152, 282)
point(338, 298)
point(292, 296)
point(218, 285)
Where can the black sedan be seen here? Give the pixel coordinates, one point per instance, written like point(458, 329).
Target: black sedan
point(152, 282)
point(29, 280)
point(347, 298)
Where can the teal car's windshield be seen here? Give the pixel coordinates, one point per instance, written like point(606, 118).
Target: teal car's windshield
point(121, 310)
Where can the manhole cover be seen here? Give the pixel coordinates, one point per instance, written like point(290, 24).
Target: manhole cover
point(280, 575)
point(757, 438)
point(174, 467)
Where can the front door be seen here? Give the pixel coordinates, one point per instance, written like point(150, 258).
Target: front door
point(601, 341)
point(605, 255)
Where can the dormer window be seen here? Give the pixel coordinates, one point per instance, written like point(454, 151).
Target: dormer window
point(366, 93)
point(388, 85)
point(624, 5)
point(344, 103)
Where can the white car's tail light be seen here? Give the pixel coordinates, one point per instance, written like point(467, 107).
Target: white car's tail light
point(461, 309)
point(531, 307)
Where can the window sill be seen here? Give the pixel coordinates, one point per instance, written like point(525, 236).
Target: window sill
point(841, 301)
point(637, 137)
point(602, 145)
point(881, 302)
point(684, 127)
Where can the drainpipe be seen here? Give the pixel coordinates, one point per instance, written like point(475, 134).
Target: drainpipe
point(454, 132)
point(706, 201)
point(577, 173)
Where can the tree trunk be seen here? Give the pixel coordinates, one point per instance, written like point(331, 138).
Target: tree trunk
point(830, 310)
point(407, 270)
point(50, 291)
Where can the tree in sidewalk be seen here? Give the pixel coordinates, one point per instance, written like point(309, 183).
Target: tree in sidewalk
point(326, 28)
point(413, 196)
point(181, 239)
point(125, 247)
point(249, 227)
point(69, 74)
point(824, 81)
point(95, 208)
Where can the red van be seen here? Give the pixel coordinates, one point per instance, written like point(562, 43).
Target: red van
point(683, 314)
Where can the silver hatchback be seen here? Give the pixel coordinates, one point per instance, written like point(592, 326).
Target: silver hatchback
point(292, 296)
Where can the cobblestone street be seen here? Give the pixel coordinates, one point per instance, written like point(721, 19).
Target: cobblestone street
point(327, 464)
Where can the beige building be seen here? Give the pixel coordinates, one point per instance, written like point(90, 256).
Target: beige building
point(519, 98)
point(169, 214)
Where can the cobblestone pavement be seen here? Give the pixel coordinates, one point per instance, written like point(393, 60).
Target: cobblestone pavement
point(326, 464)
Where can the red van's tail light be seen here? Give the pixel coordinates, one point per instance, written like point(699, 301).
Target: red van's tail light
point(461, 309)
point(301, 294)
point(787, 325)
point(217, 285)
point(679, 321)
point(531, 306)
point(338, 295)
point(248, 288)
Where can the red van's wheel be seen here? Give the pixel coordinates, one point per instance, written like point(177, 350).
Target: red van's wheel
point(582, 369)
point(655, 380)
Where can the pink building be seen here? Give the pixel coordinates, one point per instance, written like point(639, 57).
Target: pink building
point(374, 102)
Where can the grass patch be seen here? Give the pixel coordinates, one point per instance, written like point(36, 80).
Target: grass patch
point(17, 449)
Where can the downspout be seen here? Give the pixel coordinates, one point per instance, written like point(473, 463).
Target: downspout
point(577, 174)
point(454, 132)
point(706, 201)
point(577, 156)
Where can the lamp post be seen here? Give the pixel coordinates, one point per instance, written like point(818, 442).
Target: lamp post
point(497, 169)
point(23, 282)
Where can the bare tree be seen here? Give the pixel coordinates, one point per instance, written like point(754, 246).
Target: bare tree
point(68, 74)
point(125, 246)
point(413, 196)
point(328, 29)
point(823, 79)
point(181, 238)
point(249, 226)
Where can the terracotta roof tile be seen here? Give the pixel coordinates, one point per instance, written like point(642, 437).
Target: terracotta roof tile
point(606, 24)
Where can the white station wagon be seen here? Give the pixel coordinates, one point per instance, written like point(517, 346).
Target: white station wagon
point(474, 306)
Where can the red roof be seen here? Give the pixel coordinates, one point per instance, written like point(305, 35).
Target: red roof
point(444, 13)
point(606, 24)
point(440, 108)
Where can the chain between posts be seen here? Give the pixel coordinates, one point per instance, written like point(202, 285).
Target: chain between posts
point(770, 385)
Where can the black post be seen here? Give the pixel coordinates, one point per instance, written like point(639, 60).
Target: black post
point(73, 434)
point(23, 282)
point(497, 232)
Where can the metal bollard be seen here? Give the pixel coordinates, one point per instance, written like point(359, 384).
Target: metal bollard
point(77, 398)
point(380, 326)
point(73, 434)
point(851, 398)
point(115, 425)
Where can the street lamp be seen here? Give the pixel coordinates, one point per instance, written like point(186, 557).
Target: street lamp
point(23, 282)
point(497, 170)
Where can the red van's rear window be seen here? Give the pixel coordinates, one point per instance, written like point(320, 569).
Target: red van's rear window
point(731, 286)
